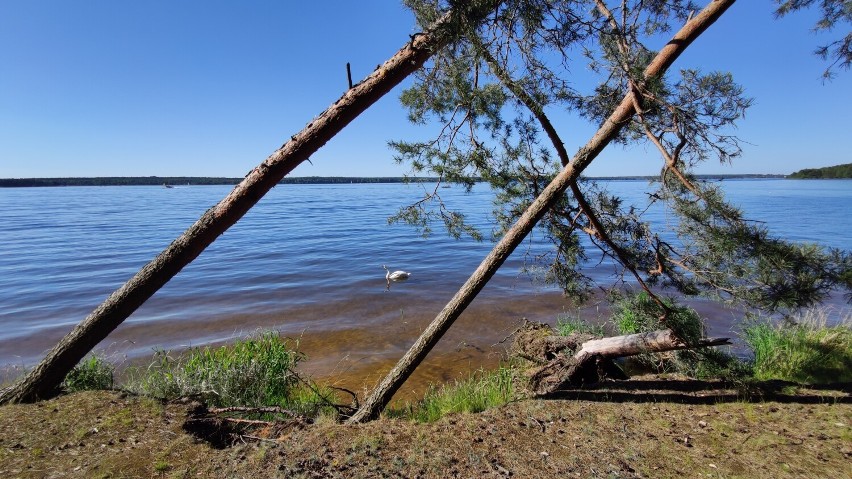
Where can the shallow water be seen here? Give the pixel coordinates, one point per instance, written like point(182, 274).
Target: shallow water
point(307, 261)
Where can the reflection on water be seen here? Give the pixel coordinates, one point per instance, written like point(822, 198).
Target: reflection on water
point(307, 262)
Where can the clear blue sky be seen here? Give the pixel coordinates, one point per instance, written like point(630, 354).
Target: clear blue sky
point(210, 88)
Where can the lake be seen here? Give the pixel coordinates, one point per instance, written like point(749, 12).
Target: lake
point(307, 261)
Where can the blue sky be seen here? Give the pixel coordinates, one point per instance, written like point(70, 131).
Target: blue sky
point(191, 88)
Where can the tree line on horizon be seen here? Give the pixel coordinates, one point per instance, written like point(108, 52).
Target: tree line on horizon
point(190, 180)
point(304, 180)
point(828, 172)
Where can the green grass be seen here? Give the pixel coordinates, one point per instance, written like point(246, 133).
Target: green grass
point(161, 466)
point(92, 373)
point(710, 363)
point(805, 351)
point(480, 391)
point(567, 325)
point(259, 370)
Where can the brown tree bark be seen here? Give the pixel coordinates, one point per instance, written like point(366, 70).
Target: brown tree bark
point(383, 393)
point(43, 381)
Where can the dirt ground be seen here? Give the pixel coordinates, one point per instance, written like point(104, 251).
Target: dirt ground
point(640, 428)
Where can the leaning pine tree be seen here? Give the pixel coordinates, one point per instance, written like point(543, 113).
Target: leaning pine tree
point(492, 92)
point(44, 380)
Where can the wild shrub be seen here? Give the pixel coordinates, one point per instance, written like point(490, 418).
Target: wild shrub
point(259, 370)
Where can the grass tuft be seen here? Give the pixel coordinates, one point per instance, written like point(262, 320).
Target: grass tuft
point(480, 391)
point(92, 373)
point(259, 370)
point(567, 325)
point(805, 350)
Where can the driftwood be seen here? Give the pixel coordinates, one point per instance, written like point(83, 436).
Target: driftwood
point(570, 361)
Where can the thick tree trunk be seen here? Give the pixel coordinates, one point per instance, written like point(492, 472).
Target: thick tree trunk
point(591, 358)
point(383, 393)
point(44, 379)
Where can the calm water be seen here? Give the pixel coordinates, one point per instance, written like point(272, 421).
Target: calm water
point(307, 261)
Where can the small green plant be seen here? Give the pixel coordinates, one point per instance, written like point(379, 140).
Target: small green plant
point(161, 466)
point(92, 373)
point(480, 391)
point(805, 350)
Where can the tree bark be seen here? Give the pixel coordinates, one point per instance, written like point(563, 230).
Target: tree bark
point(383, 393)
point(44, 380)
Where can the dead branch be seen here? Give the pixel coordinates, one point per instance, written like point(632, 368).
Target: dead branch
point(254, 410)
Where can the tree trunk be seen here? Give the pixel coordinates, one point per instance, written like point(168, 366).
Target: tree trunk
point(44, 379)
point(383, 393)
point(591, 360)
point(641, 343)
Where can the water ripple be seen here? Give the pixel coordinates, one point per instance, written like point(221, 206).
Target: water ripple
point(307, 256)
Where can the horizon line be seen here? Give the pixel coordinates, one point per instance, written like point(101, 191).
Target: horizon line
point(402, 177)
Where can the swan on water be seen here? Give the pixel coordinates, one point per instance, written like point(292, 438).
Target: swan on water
point(395, 276)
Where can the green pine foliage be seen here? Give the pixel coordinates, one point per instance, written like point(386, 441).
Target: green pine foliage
point(485, 99)
point(725, 255)
point(833, 14)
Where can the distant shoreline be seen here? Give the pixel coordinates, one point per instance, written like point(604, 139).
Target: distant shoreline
point(207, 180)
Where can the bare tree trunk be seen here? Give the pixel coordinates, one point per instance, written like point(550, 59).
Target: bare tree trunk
point(641, 343)
point(383, 393)
point(44, 379)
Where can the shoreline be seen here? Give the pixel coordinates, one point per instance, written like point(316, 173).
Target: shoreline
point(355, 350)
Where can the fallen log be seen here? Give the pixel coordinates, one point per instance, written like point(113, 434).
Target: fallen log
point(570, 361)
point(634, 344)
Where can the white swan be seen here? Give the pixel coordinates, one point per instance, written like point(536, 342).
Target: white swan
point(395, 276)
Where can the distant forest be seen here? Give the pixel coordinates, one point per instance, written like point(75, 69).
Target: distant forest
point(839, 171)
point(188, 180)
point(205, 180)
